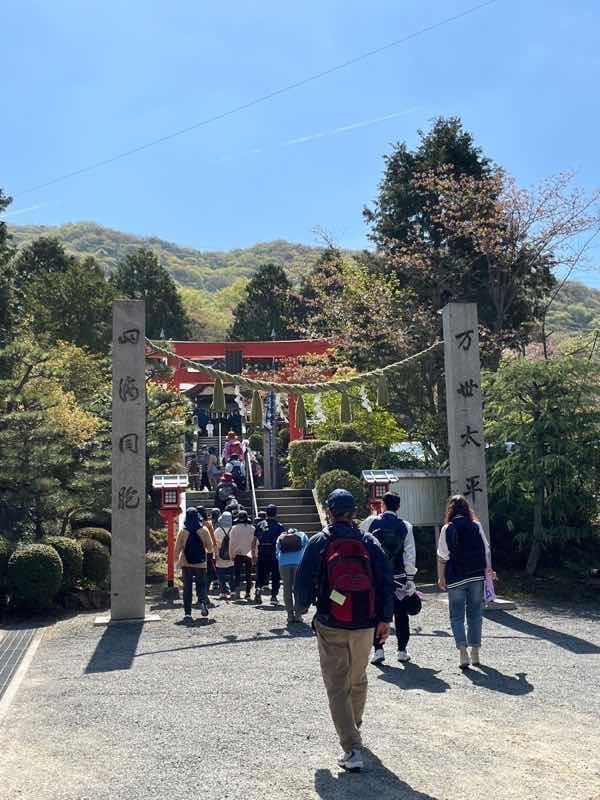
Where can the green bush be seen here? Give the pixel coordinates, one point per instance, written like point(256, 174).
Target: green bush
point(348, 433)
point(350, 456)
point(341, 479)
point(156, 539)
point(5, 553)
point(96, 561)
point(256, 442)
point(91, 519)
point(71, 555)
point(283, 439)
point(301, 458)
point(97, 534)
point(35, 574)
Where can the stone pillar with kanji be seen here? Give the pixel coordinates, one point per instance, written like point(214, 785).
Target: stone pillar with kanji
point(464, 407)
point(128, 577)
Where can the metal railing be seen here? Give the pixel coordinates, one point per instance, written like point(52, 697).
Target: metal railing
point(250, 475)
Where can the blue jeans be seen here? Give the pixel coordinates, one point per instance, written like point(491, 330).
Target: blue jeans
point(467, 598)
point(191, 575)
point(225, 576)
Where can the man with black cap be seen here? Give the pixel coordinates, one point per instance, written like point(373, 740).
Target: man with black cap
point(265, 555)
point(346, 574)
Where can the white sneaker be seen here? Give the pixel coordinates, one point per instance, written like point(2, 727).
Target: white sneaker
point(378, 656)
point(352, 761)
point(403, 656)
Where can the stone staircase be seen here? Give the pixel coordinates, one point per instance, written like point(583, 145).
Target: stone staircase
point(296, 507)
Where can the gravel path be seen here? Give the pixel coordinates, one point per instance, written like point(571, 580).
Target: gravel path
point(235, 709)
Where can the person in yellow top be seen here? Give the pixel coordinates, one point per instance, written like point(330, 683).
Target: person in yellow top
point(192, 544)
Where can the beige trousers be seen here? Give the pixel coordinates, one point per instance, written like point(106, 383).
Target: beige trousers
point(344, 659)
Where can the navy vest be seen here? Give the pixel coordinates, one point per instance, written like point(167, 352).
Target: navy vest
point(391, 532)
point(467, 552)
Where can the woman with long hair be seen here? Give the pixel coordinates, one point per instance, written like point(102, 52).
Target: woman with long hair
point(463, 557)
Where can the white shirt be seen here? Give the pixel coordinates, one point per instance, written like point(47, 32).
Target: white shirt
point(410, 550)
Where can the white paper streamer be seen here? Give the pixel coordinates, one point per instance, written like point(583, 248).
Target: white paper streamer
point(364, 400)
point(279, 412)
point(239, 400)
point(319, 414)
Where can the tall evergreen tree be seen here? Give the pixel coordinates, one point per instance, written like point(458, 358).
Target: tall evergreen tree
point(268, 306)
point(140, 275)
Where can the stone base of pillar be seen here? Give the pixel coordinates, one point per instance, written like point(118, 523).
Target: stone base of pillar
point(105, 619)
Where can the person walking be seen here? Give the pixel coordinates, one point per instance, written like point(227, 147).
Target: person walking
point(194, 473)
point(203, 467)
point(289, 549)
point(224, 562)
point(193, 542)
point(212, 467)
point(348, 576)
point(211, 571)
point(226, 490)
point(396, 537)
point(463, 556)
point(264, 554)
point(241, 538)
point(232, 447)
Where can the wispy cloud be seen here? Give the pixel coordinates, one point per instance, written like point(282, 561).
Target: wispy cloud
point(18, 211)
point(363, 123)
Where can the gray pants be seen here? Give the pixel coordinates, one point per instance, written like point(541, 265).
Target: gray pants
point(288, 575)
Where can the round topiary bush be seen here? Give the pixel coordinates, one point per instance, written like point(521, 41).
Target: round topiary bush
point(283, 439)
point(91, 519)
point(256, 442)
point(301, 458)
point(97, 534)
point(96, 561)
point(5, 553)
point(71, 555)
point(349, 456)
point(35, 575)
point(341, 479)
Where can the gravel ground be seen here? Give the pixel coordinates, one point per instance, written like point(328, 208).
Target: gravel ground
point(236, 709)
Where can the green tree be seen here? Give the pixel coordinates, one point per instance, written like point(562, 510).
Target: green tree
point(140, 275)
point(7, 299)
point(543, 428)
point(267, 306)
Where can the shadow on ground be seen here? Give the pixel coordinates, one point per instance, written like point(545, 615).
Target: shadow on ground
point(565, 640)
point(412, 676)
point(116, 648)
point(495, 681)
point(375, 781)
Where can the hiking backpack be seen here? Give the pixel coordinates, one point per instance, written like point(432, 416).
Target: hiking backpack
point(194, 548)
point(290, 542)
point(225, 491)
point(347, 583)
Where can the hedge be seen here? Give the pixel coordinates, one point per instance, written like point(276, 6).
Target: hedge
point(301, 458)
point(156, 539)
point(256, 442)
point(5, 553)
point(97, 534)
point(352, 457)
point(341, 479)
point(71, 555)
point(35, 575)
point(91, 519)
point(96, 561)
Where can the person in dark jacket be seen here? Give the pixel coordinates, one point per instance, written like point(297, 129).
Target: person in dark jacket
point(263, 551)
point(396, 537)
point(463, 557)
point(362, 596)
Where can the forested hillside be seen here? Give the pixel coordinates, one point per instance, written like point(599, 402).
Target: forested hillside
point(575, 309)
point(198, 269)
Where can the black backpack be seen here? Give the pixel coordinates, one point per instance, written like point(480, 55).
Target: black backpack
point(390, 531)
point(224, 546)
point(194, 550)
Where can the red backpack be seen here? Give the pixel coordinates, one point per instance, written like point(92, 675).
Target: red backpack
point(348, 586)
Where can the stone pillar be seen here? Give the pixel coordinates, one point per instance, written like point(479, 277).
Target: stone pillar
point(464, 407)
point(128, 571)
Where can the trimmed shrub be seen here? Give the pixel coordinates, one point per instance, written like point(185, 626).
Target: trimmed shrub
point(283, 439)
point(35, 574)
point(256, 442)
point(5, 553)
point(71, 555)
point(96, 561)
point(97, 534)
point(91, 519)
point(301, 458)
point(340, 479)
point(156, 539)
point(352, 457)
point(348, 433)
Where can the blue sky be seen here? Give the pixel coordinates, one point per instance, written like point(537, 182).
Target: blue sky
point(83, 81)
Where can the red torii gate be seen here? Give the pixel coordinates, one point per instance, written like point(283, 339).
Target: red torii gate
point(184, 376)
